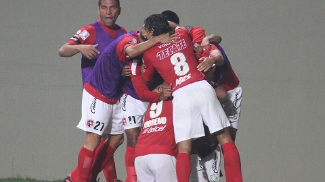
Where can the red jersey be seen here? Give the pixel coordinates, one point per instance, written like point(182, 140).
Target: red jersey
point(175, 62)
point(139, 85)
point(157, 134)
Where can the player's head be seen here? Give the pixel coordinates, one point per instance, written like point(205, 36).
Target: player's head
point(108, 11)
point(142, 37)
point(171, 16)
point(100, 3)
point(156, 24)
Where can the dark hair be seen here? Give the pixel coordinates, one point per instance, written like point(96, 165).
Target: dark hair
point(142, 37)
point(156, 23)
point(171, 16)
point(100, 3)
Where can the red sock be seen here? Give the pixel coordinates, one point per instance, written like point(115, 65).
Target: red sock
point(108, 165)
point(85, 160)
point(74, 175)
point(109, 171)
point(129, 164)
point(99, 156)
point(232, 162)
point(183, 167)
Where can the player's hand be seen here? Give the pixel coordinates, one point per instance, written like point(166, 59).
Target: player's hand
point(126, 71)
point(205, 63)
point(205, 43)
point(90, 51)
point(166, 91)
point(167, 38)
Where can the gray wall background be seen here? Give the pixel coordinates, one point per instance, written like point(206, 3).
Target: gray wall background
point(275, 47)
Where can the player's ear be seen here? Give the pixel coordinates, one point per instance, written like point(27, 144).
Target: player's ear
point(119, 12)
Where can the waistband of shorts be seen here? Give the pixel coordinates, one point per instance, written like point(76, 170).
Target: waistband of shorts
point(92, 91)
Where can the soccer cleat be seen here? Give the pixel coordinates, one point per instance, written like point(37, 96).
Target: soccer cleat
point(68, 178)
point(118, 180)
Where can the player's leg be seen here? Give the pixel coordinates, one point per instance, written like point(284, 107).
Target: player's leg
point(235, 96)
point(198, 172)
point(116, 138)
point(108, 162)
point(132, 112)
point(95, 124)
point(74, 175)
point(211, 165)
point(132, 135)
point(187, 125)
point(86, 156)
point(215, 118)
point(183, 163)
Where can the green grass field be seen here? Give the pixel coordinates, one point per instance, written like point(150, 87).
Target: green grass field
point(26, 180)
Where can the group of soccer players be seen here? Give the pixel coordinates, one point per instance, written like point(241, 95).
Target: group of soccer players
point(164, 91)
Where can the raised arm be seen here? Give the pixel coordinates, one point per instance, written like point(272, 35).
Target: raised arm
point(133, 51)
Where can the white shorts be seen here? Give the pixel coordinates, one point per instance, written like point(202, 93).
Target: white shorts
point(99, 117)
point(206, 169)
point(156, 167)
point(235, 96)
point(193, 104)
point(132, 111)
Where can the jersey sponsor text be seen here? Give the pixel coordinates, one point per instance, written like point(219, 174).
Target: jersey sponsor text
point(154, 122)
point(172, 49)
point(182, 79)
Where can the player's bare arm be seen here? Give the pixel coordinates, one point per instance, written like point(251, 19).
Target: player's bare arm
point(207, 62)
point(133, 51)
point(68, 50)
point(126, 71)
point(165, 90)
point(213, 38)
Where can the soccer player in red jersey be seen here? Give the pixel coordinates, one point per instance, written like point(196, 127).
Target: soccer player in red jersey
point(132, 107)
point(194, 100)
point(156, 149)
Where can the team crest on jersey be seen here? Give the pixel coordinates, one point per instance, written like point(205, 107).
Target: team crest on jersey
point(83, 34)
point(134, 41)
point(90, 123)
point(123, 121)
point(143, 68)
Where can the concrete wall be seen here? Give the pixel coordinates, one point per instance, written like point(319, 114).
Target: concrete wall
point(275, 47)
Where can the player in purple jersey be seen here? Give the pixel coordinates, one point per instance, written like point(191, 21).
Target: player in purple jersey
point(101, 110)
point(90, 41)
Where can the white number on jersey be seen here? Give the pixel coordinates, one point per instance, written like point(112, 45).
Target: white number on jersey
point(180, 65)
point(155, 109)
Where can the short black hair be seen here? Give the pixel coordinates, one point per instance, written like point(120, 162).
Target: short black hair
point(100, 3)
point(171, 16)
point(156, 23)
point(142, 37)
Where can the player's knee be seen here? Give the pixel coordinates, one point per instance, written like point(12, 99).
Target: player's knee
point(116, 140)
point(223, 136)
point(132, 136)
point(92, 141)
